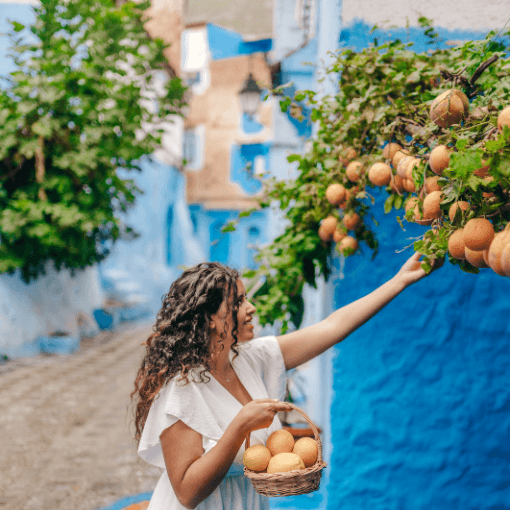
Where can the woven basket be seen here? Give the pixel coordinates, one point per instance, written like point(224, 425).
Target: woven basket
point(290, 483)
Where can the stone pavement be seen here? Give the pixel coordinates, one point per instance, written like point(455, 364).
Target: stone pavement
point(65, 428)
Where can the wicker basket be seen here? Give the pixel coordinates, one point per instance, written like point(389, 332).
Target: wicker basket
point(290, 483)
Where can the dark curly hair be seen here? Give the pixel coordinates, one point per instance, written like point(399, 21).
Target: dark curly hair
point(181, 340)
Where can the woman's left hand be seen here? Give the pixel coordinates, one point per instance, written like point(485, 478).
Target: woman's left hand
point(412, 270)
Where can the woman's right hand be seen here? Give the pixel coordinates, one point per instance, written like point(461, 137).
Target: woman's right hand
point(260, 413)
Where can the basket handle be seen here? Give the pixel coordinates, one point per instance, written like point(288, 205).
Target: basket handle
point(310, 422)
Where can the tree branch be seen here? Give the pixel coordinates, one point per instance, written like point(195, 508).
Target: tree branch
point(39, 167)
point(481, 68)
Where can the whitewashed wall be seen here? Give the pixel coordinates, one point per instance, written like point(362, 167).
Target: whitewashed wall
point(466, 14)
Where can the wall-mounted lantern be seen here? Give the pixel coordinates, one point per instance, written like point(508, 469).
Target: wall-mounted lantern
point(250, 96)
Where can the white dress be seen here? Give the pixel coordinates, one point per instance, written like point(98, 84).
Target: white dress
point(208, 408)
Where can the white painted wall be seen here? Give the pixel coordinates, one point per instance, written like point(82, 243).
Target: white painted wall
point(465, 14)
point(55, 302)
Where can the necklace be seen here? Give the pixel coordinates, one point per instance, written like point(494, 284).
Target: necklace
point(222, 376)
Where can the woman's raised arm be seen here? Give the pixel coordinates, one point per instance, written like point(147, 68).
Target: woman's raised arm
point(304, 344)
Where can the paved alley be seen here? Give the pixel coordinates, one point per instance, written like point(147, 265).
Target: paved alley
point(65, 429)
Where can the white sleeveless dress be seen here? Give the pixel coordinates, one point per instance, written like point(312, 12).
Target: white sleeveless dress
point(208, 408)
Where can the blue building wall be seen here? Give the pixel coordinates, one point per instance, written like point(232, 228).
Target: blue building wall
point(421, 400)
point(140, 271)
point(420, 416)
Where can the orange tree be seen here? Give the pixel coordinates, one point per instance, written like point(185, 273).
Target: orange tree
point(392, 109)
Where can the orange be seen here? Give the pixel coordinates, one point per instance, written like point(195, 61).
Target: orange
point(283, 462)
point(354, 171)
point(505, 260)
point(352, 221)
point(478, 234)
point(402, 165)
point(399, 155)
point(257, 457)
point(335, 193)
point(280, 441)
point(328, 226)
point(338, 235)
point(347, 244)
point(431, 184)
point(397, 184)
point(409, 185)
point(439, 159)
point(308, 449)
point(432, 205)
point(390, 150)
point(498, 245)
point(456, 245)
point(504, 118)
point(323, 234)
point(379, 174)
point(475, 258)
point(449, 108)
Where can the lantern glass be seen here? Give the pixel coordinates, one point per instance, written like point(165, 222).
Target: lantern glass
point(249, 97)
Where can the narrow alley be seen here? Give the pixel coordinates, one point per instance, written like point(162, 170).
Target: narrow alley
point(65, 428)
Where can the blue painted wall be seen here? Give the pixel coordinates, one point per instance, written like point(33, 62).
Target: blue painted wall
point(224, 43)
point(358, 36)
point(235, 249)
point(421, 400)
point(421, 406)
point(242, 165)
point(141, 271)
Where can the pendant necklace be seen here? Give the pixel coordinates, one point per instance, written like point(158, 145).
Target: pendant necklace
point(222, 376)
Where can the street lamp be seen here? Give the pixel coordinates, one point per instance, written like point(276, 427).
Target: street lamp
point(250, 96)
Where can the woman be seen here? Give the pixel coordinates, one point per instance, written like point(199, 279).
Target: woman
point(205, 383)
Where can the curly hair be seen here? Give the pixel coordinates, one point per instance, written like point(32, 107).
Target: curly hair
point(181, 340)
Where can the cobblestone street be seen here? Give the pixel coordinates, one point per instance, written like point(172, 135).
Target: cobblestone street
point(65, 429)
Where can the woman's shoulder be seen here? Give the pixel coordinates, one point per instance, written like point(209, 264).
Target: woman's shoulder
point(260, 346)
point(194, 376)
point(263, 353)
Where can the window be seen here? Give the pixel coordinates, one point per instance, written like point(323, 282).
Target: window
point(189, 149)
point(193, 148)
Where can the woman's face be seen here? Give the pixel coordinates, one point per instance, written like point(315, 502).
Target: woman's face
point(244, 318)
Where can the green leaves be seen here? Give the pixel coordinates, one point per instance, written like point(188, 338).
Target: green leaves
point(83, 101)
point(18, 27)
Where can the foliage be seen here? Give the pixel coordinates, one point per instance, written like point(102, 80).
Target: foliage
point(87, 98)
point(384, 95)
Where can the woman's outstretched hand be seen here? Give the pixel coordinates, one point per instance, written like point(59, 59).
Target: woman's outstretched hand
point(412, 271)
